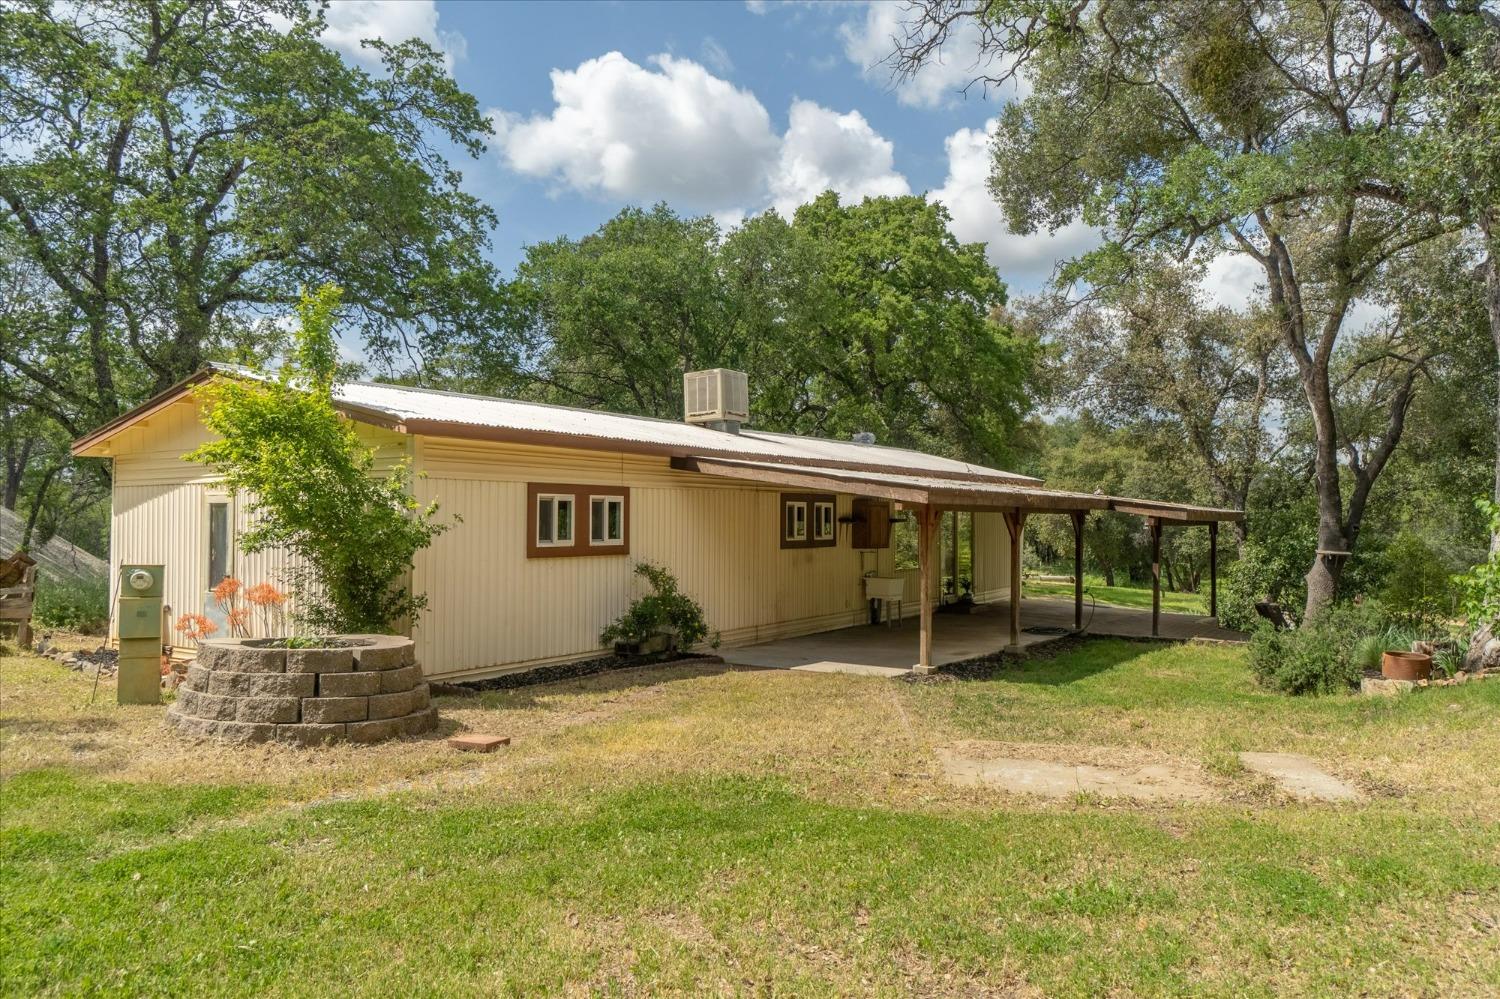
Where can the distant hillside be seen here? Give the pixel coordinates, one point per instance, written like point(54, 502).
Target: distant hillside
point(57, 559)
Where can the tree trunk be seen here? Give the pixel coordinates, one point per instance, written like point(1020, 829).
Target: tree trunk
point(36, 505)
point(1492, 304)
point(16, 461)
point(1480, 652)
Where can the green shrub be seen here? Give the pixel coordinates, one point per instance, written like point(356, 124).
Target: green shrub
point(665, 609)
point(1262, 572)
point(1480, 586)
point(1418, 589)
point(1368, 650)
point(1321, 657)
point(72, 606)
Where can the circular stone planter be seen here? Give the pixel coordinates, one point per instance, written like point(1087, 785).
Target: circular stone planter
point(360, 688)
point(1410, 666)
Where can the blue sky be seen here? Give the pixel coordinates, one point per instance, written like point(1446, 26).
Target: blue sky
point(723, 108)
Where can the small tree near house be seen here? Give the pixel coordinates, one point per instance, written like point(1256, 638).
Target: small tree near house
point(312, 486)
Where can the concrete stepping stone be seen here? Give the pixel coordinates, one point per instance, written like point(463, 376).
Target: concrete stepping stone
point(1153, 782)
point(1300, 776)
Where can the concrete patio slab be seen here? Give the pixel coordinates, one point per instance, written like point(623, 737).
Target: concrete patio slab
point(881, 650)
point(1153, 782)
point(1300, 776)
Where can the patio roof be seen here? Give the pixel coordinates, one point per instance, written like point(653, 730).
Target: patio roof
point(950, 494)
point(971, 494)
point(930, 495)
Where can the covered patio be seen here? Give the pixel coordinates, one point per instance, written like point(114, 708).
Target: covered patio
point(927, 497)
point(882, 650)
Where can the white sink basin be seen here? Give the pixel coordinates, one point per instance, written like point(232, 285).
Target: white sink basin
point(884, 588)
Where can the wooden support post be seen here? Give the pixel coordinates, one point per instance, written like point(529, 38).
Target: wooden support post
point(1078, 518)
point(955, 555)
point(1154, 524)
point(925, 533)
point(1213, 568)
point(1015, 523)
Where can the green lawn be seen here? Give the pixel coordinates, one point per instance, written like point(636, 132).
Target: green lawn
point(690, 831)
point(1120, 596)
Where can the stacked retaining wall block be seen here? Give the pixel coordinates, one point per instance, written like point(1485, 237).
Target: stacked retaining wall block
point(242, 690)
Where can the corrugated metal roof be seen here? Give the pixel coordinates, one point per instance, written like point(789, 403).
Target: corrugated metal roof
point(441, 413)
point(891, 471)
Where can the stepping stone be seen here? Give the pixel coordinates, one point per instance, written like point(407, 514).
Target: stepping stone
point(477, 742)
point(1300, 776)
point(1155, 782)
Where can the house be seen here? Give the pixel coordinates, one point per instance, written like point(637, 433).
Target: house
point(773, 534)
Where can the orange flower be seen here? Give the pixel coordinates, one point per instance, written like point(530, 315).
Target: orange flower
point(195, 627)
point(225, 591)
point(263, 594)
point(239, 621)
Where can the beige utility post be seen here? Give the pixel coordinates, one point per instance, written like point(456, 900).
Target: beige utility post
point(139, 678)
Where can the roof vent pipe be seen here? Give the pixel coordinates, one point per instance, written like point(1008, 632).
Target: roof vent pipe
point(718, 399)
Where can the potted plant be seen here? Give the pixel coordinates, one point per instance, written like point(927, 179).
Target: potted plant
point(662, 620)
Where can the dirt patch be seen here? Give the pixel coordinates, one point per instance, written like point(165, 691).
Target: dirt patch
point(1054, 779)
point(1300, 776)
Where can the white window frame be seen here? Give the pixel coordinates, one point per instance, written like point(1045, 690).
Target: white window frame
point(790, 523)
point(210, 500)
point(606, 542)
point(818, 524)
point(557, 499)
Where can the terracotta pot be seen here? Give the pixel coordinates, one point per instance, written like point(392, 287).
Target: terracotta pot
point(1414, 666)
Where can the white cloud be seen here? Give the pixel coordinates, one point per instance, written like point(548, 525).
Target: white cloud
point(824, 150)
point(1233, 280)
point(352, 21)
point(1025, 261)
point(757, 6)
point(626, 131)
point(870, 43)
point(672, 130)
point(715, 56)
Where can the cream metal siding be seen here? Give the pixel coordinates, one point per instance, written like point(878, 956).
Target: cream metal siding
point(490, 608)
point(159, 510)
point(991, 557)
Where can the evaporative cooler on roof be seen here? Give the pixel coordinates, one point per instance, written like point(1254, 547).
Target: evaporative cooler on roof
point(716, 396)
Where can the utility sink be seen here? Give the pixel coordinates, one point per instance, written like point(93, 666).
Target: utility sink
point(884, 587)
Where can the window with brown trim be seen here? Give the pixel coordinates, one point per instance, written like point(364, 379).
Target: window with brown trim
point(809, 520)
point(563, 520)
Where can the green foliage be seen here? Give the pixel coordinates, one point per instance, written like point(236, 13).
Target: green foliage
point(859, 317)
point(665, 609)
point(1392, 638)
point(1419, 589)
point(314, 490)
point(72, 605)
point(172, 175)
point(1480, 586)
point(1224, 71)
point(1321, 657)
